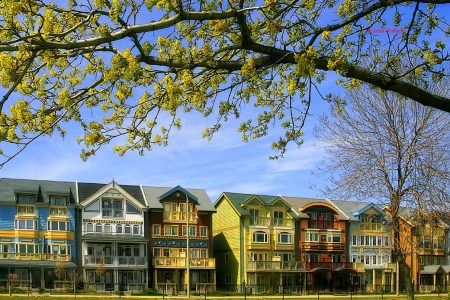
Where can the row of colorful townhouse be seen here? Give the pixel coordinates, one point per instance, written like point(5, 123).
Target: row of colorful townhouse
point(109, 236)
point(133, 237)
point(263, 242)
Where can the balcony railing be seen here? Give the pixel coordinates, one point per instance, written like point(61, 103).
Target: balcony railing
point(328, 265)
point(177, 216)
point(180, 262)
point(321, 224)
point(132, 261)
point(275, 266)
point(115, 260)
point(35, 256)
point(372, 226)
point(275, 222)
point(361, 267)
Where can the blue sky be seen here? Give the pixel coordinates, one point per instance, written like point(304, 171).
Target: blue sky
point(223, 164)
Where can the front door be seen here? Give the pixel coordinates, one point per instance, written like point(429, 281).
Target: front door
point(49, 279)
point(109, 280)
point(123, 280)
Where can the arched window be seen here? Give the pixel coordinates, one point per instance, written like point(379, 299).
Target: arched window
point(127, 228)
point(108, 228)
point(98, 227)
point(259, 237)
point(136, 229)
point(89, 227)
point(119, 229)
point(285, 238)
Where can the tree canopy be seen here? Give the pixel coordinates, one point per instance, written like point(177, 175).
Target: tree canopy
point(128, 68)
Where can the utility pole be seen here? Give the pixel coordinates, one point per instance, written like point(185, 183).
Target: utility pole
point(188, 292)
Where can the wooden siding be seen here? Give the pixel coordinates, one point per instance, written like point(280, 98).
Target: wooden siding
point(226, 225)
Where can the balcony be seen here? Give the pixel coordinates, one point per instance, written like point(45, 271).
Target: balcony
point(35, 256)
point(372, 226)
point(324, 246)
point(362, 267)
point(275, 222)
point(180, 262)
point(322, 224)
point(328, 265)
point(275, 266)
point(115, 260)
point(179, 217)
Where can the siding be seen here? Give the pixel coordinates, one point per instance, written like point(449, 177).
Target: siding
point(227, 240)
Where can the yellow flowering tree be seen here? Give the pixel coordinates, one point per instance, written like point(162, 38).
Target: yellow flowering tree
point(129, 68)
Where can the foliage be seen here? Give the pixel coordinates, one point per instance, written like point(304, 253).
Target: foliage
point(128, 68)
point(385, 148)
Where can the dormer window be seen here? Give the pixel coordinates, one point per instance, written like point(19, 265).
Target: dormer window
point(26, 198)
point(58, 211)
point(59, 200)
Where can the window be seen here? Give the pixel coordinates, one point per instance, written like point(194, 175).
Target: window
point(119, 228)
point(367, 240)
point(112, 208)
point(284, 238)
point(374, 260)
point(362, 240)
point(203, 231)
point(336, 238)
point(98, 228)
point(58, 200)
point(203, 253)
point(311, 237)
point(327, 216)
point(374, 241)
point(136, 229)
point(89, 227)
point(127, 229)
point(26, 209)
point(367, 260)
point(379, 239)
point(57, 210)
point(58, 249)
point(156, 229)
point(312, 216)
point(227, 278)
point(386, 241)
point(195, 253)
point(26, 224)
point(171, 230)
point(27, 248)
point(93, 207)
point(278, 214)
point(58, 226)
point(355, 240)
point(259, 237)
point(354, 258)
point(118, 209)
point(227, 258)
point(131, 209)
point(156, 252)
point(107, 228)
point(192, 230)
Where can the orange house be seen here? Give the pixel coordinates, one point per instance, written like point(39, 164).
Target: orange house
point(322, 243)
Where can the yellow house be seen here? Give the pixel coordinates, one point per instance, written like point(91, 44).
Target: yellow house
point(254, 242)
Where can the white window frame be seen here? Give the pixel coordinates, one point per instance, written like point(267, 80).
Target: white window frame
point(284, 233)
point(26, 223)
point(50, 227)
point(260, 233)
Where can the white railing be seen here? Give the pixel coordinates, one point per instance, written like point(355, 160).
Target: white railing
point(115, 260)
point(180, 262)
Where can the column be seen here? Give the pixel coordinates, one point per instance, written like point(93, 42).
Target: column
point(373, 280)
point(214, 279)
point(42, 279)
point(392, 281)
point(383, 278)
point(434, 282)
point(155, 278)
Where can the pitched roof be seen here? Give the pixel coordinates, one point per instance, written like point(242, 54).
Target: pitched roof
point(9, 187)
point(299, 202)
point(432, 269)
point(153, 194)
point(85, 190)
point(237, 199)
point(350, 207)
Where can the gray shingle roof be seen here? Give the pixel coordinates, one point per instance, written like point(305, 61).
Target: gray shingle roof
point(349, 207)
point(85, 190)
point(9, 187)
point(432, 269)
point(152, 195)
